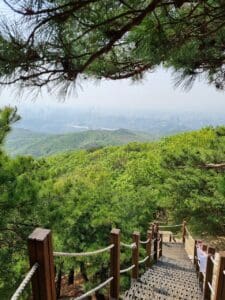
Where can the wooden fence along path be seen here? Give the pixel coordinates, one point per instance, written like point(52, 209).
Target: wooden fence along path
point(185, 269)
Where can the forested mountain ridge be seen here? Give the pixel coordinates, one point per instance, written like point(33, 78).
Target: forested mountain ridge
point(173, 169)
point(82, 194)
point(25, 142)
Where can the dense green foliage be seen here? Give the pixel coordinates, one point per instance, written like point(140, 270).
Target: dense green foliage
point(18, 205)
point(81, 195)
point(25, 142)
point(59, 41)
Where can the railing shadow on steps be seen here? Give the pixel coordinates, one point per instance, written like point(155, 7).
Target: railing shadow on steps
point(42, 272)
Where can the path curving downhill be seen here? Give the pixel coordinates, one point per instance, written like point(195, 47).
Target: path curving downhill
point(173, 277)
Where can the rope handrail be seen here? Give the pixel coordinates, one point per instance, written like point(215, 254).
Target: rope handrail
point(25, 281)
point(40, 245)
point(143, 260)
point(130, 246)
point(168, 226)
point(101, 285)
point(211, 288)
point(76, 254)
point(145, 242)
point(127, 269)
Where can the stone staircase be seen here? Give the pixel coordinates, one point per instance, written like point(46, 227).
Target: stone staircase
point(173, 277)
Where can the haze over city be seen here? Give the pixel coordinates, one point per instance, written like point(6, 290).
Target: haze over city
point(155, 91)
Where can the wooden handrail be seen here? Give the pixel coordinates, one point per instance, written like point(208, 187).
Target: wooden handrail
point(149, 248)
point(155, 245)
point(160, 244)
point(135, 254)
point(43, 280)
point(184, 231)
point(216, 292)
point(208, 274)
point(115, 264)
point(41, 252)
point(220, 282)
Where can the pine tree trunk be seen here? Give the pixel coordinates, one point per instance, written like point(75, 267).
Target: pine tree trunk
point(71, 277)
point(83, 271)
point(103, 273)
point(99, 296)
point(58, 283)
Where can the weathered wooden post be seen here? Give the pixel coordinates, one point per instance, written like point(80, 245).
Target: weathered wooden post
point(220, 282)
point(40, 251)
point(157, 227)
point(115, 264)
point(149, 249)
point(155, 244)
point(135, 255)
point(208, 274)
point(160, 245)
point(184, 231)
point(151, 229)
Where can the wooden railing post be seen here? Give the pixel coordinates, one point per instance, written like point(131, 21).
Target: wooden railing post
point(208, 274)
point(204, 248)
point(220, 282)
point(40, 251)
point(115, 264)
point(160, 245)
point(157, 227)
point(155, 244)
point(135, 255)
point(151, 229)
point(149, 248)
point(184, 231)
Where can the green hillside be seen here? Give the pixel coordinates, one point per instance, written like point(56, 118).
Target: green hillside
point(25, 142)
point(82, 194)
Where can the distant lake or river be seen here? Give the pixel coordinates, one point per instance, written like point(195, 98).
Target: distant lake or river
point(83, 127)
point(80, 127)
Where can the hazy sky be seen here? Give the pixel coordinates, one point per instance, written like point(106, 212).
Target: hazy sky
point(155, 92)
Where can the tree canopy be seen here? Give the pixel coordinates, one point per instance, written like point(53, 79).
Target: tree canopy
point(82, 194)
point(58, 41)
